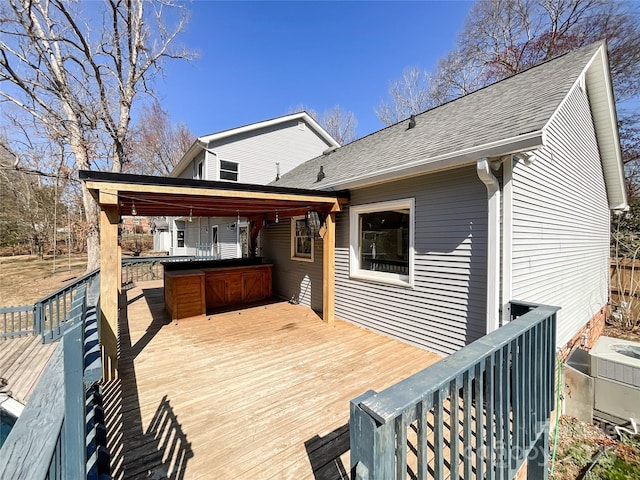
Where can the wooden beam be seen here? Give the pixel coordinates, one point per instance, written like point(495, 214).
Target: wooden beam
point(109, 289)
point(108, 197)
point(125, 188)
point(328, 269)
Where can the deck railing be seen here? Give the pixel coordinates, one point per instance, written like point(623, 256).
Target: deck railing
point(479, 413)
point(141, 269)
point(60, 434)
point(47, 317)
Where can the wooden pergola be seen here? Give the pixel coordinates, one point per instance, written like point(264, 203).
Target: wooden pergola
point(122, 194)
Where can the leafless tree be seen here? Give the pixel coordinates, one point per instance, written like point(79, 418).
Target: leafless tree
point(341, 124)
point(411, 94)
point(504, 37)
point(156, 144)
point(80, 79)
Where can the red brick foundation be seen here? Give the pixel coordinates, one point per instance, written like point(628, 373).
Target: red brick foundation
point(587, 335)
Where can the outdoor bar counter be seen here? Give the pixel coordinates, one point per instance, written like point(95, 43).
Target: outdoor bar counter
point(195, 287)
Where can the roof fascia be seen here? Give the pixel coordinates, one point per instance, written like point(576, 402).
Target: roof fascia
point(189, 155)
point(612, 158)
point(526, 142)
point(268, 123)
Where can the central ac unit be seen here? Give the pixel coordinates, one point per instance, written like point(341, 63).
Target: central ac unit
point(615, 367)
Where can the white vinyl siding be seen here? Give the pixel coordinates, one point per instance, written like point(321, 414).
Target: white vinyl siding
point(561, 221)
point(257, 152)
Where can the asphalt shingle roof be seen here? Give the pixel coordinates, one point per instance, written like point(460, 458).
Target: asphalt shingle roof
point(514, 106)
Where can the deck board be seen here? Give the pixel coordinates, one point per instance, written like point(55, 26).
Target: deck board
point(22, 360)
point(256, 393)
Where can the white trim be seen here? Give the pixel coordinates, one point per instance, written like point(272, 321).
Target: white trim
point(268, 123)
point(483, 169)
point(219, 164)
point(507, 238)
point(527, 142)
point(355, 271)
point(294, 254)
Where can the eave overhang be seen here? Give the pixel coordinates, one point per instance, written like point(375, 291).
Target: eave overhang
point(522, 143)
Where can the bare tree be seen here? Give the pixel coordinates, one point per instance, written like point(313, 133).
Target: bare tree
point(411, 94)
point(341, 124)
point(80, 80)
point(156, 145)
point(504, 37)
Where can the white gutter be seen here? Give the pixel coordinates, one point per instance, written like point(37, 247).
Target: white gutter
point(483, 169)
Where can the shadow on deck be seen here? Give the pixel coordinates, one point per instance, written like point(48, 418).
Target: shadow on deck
point(256, 393)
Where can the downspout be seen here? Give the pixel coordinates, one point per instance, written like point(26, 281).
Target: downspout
point(483, 168)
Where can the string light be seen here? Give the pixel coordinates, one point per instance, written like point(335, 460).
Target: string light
point(134, 212)
point(277, 219)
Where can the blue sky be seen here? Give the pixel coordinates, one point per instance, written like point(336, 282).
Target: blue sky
point(257, 60)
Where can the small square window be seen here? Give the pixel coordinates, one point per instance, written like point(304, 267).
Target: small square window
point(381, 238)
point(301, 241)
point(228, 170)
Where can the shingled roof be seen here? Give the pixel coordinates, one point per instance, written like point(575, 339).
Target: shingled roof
point(501, 118)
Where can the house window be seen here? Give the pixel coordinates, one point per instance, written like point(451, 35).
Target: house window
point(301, 241)
point(381, 238)
point(200, 171)
point(180, 237)
point(228, 170)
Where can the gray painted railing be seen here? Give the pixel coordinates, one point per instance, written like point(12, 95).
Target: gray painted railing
point(47, 317)
point(141, 269)
point(17, 321)
point(497, 393)
point(61, 433)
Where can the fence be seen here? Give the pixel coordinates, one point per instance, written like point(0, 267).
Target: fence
point(478, 413)
point(61, 434)
point(624, 282)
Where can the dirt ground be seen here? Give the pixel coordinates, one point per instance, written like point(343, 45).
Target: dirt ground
point(24, 279)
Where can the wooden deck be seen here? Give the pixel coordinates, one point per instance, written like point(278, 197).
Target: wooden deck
point(22, 360)
point(256, 393)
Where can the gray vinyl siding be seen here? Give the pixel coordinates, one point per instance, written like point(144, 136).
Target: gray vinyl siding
point(293, 279)
point(258, 151)
point(445, 310)
point(561, 221)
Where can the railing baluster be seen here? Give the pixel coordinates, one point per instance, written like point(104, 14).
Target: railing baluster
point(454, 431)
point(423, 427)
point(480, 412)
point(507, 411)
point(438, 437)
point(401, 446)
point(467, 423)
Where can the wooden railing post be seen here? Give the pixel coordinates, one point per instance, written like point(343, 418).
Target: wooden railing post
point(372, 445)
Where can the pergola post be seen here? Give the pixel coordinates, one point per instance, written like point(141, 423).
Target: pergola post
point(110, 265)
point(328, 269)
